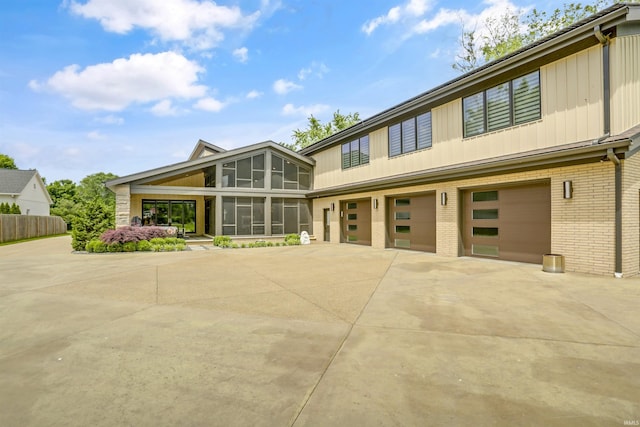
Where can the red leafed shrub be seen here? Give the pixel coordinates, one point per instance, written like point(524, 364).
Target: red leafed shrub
point(132, 234)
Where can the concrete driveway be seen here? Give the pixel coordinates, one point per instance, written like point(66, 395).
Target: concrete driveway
point(321, 335)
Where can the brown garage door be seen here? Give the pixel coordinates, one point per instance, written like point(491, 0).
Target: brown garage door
point(412, 222)
point(511, 223)
point(356, 221)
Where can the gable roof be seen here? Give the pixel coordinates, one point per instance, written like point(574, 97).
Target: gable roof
point(200, 162)
point(14, 181)
point(203, 145)
point(562, 43)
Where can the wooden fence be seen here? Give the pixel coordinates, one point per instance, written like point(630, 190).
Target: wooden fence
point(17, 227)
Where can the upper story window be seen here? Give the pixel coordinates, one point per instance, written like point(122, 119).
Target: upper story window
point(355, 153)
point(244, 173)
point(507, 104)
point(289, 176)
point(410, 135)
point(210, 176)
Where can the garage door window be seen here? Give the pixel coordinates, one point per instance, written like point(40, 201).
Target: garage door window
point(485, 196)
point(485, 250)
point(485, 214)
point(485, 231)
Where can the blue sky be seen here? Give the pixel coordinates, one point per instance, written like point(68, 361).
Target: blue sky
point(123, 86)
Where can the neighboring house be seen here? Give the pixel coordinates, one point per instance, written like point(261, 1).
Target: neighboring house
point(26, 189)
point(531, 154)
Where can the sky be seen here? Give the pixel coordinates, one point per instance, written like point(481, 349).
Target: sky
point(123, 86)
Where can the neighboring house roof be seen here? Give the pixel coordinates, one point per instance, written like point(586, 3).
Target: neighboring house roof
point(14, 181)
point(200, 162)
point(562, 43)
point(203, 145)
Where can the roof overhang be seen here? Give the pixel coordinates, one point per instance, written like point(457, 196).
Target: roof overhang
point(186, 168)
point(569, 40)
point(565, 155)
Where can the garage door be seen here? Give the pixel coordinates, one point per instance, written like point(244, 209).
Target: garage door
point(412, 222)
point(356, 221)
point(511, 223)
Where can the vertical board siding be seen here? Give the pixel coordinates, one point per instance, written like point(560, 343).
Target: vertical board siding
point(571, 107)
point(18, 227)
point(625, 83)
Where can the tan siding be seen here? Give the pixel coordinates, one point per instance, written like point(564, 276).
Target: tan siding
point(625, 83)
point(571, 111)
point(631, 215)
point(196, 180)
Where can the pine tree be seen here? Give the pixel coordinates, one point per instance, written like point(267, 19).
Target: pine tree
point(91, 221)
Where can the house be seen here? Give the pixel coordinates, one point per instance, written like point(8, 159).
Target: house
point(26, 189)
point(531, 154)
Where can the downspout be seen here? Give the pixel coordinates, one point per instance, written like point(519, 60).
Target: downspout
point(606, 77)
point(618, 205)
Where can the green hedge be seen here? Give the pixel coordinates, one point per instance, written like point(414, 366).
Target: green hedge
point(157, 244)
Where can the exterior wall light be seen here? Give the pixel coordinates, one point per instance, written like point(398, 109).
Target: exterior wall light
point(567, 189)
point(443, 198)
point(333, 206)
point(375, 203)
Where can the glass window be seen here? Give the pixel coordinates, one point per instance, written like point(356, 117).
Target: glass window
point(258, 162)
point(395, 140)
point(258, 179)
point(402, 243)
point(485, 214)
point(346, 155)
point(364, 150)
point(526, 98)
point(485, 231)
point(290, 218)
point(229, 211)
point(484, 196)
point(290, 172)
point(304, 179)
point(403, 229)
point(473, 110)
point(244, 169)
point(229, 174)
point(402, 202)
point(498, 107)
point(210, 176)
point(403, 215)
point(352, 205)
point(243, 225)
point(352, 227)
point(409, 135)
point(423, 124)
point(352, 217)
point(276, 163)
point(485, 250)
point(355, 152)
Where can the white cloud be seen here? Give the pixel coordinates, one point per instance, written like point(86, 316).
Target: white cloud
point(304, 110)
point(254, 94)
point(110, 120)
point(241, 54)
point(96, 135)
point(414, 17)
point(198, 24)
point(317, 69)
point(412, 8)
point(164, 108)
point(209, 104)
point(140, 78)
point(282, 86)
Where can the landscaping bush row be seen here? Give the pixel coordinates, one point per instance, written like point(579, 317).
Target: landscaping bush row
point(132, 234)
point(226, 242)
point(156, 244)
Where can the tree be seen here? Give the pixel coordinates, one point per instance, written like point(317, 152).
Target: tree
point(15, 209)
point(92, 219)
point(62, 189)
point(317, 131)
point(511, 31)
point(7, 162)
point(92, 186)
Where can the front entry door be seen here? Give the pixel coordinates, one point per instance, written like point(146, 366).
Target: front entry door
point(327, 225)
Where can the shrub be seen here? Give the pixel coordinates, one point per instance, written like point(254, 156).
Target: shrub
point(181, 247)
point(292, 239)
point(114, 247)
point(243, 245)
point(96, 246)
point(129, 247)
point(157, 241)
point(132, 234)
point(221, 241)
point(143, 246)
